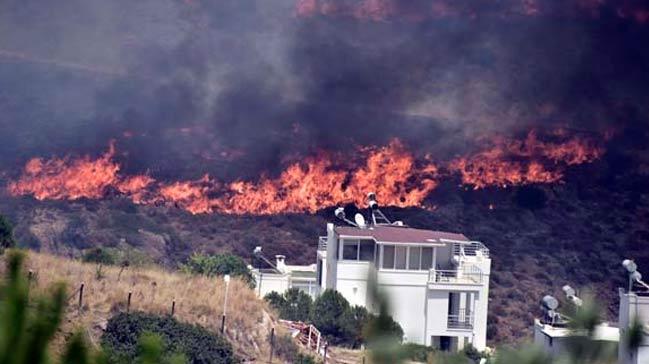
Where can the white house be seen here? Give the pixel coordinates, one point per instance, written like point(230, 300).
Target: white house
point(553, 336)
point(437, 283)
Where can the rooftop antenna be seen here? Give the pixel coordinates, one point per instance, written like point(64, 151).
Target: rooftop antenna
point(571, 294)
point(377, 216)
point(634, 275)
point(550, 304)
point(257, 252)
point(340, 213)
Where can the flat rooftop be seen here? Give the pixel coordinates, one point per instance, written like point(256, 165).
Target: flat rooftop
point(399, 234)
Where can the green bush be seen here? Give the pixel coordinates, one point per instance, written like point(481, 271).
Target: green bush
point(331, 315)
point(218, 265)
point(294, 305)
point(200, 346)
point(26, 331)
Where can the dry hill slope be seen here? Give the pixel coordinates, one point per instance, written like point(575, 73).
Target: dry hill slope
point(199, 300)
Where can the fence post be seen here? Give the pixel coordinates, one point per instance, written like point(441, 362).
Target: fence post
point(81, 295)
point(173, 307)
point(272, 345)
point(128, 302)
point(324, 361)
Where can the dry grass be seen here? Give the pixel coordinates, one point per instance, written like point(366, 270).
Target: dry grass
point(199, 300)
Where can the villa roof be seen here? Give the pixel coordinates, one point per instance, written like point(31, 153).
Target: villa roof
point(399, 234)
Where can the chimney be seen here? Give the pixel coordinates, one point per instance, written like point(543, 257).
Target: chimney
point(281, 266)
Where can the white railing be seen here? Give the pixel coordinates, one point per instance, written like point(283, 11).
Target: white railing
point(322, 243)
point(473, 248)
point(307, 335)
point(460, 321)
point(469, 274)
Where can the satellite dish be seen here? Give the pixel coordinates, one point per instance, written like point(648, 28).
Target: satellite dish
point(340, 213)
point(550, 303)
point(569, 291)
point(360, 220)
point(629, 265)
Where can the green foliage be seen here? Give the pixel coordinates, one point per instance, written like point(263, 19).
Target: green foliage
point(294, 305)
point(27, 326)
point(200, 346)
point(331, 315)
point(218, 265)
point(100, 256)
point(6, 235)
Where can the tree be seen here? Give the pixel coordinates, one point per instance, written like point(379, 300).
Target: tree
point(6, 234)
point(293, 305)
point(218, 265)
point(332, 316)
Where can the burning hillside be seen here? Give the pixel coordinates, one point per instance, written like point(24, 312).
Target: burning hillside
point(317, 182)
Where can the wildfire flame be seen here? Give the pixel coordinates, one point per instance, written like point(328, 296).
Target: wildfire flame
point(391, 171)
point(515, 162)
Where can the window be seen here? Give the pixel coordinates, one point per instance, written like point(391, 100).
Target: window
point(350, 249)
point(414, 255)
point(366, 253)
point(400, 257)
point(426, 258)
point(388, 256)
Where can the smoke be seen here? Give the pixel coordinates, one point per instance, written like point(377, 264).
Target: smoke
point(237, 88)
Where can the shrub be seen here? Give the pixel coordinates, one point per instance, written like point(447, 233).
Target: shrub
point(120, 339)
point(99, 256)
point(294, 305)
point(6, 235)
point(332, 316)
point(287, 349)
point(217, 265)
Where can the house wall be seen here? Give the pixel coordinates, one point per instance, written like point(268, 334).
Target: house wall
point(633, 307)
point(268, 282)
point(352, 278)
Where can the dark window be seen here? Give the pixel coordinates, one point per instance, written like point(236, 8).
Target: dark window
point(414, 253)
point(400, 257)
point(350, 250)
point(388, 256)
point(426, 258)
point(367, 251)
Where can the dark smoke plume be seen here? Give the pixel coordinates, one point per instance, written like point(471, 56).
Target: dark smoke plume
point(238, 87)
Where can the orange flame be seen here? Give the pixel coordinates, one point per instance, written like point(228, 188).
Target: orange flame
point(58, 179)
point(515, 162)
point(318, 182)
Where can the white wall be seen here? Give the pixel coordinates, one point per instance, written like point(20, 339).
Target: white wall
point(633, 307)
point(269, 282)
point(352, 281)
point(407, 306)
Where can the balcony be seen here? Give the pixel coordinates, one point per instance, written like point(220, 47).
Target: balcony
point(472, 249)
point(460, 321)
point(470, 274)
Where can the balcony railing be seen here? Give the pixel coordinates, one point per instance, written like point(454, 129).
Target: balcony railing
point(471, 249)
point(460, 321)
point(322, 243)
point(470, 274)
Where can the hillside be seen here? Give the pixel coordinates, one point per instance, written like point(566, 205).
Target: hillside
point(541, 237)
point(199, 300)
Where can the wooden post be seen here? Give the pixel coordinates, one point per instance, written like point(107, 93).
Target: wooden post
point(222, 324)
point(173, 307)
point(128, 303)
point(81, 295)
point(324, 360)
point(272, 345)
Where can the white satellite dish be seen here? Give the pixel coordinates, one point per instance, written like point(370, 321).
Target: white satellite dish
point(360, 220)
point(550, 303)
